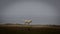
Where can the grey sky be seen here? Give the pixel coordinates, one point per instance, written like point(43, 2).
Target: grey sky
point(40, 11)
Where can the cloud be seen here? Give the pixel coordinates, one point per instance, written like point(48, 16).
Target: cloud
point(15, 11)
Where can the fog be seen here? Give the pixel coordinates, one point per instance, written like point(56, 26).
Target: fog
point(40, 11)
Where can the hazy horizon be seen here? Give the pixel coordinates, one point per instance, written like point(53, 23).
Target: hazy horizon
point(40, 11)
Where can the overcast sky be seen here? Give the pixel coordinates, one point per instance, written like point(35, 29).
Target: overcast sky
point(40, 11)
